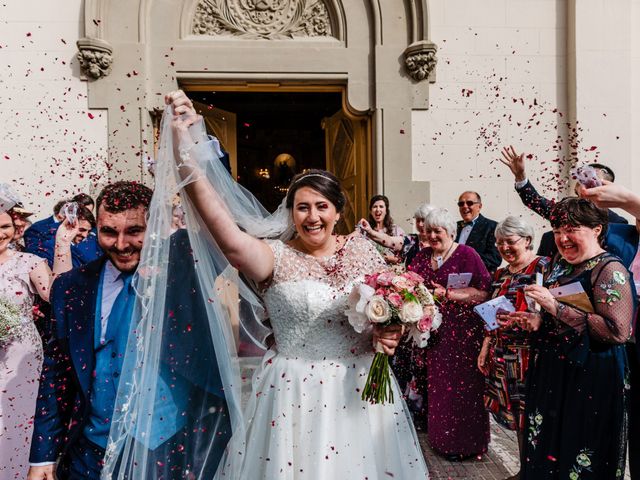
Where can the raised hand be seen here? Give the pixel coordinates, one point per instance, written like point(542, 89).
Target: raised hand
point(364, 225)
point(612, 195)
point(181, 104)
point(515, 162)
point(67, 232)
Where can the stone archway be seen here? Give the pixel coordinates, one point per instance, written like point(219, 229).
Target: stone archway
point(379, 49)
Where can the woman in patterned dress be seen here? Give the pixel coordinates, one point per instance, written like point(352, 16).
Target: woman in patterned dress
point(577, 385)
point(504, 357)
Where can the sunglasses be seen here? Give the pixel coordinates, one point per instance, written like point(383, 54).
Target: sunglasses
point(468, 203)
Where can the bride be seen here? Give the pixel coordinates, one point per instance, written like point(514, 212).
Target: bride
point(304, 419)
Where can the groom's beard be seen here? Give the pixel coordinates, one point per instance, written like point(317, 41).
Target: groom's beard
point(126, 260)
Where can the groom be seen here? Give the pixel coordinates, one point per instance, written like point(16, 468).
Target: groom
point(93, 307)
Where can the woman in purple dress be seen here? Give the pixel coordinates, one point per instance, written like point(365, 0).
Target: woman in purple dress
point(458, 424)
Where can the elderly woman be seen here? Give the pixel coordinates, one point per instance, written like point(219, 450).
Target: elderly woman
point(458, 424)
point(576, 386)
point(504, 357)
point(381, 221)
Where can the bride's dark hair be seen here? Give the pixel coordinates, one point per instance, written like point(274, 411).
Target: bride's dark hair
point(323, 182)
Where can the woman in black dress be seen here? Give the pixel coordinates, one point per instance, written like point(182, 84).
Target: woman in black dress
point(577, 385)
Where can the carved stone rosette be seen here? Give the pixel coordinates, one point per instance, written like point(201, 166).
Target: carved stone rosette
point(420, 60)
point(95, 57)
point(266, 19)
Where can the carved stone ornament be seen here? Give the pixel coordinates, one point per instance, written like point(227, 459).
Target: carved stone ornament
point(95, 57)
point(420, 60)
point(266, 19)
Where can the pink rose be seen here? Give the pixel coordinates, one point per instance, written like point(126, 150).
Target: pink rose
point(424, 325)
point(395, 299)
point(400, 283)
point(413, 276)
point(371, 280)
point(385, 278)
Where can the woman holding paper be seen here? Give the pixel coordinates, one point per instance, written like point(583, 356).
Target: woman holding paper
point(504, 357)
point(577, 382)
point(458, 424)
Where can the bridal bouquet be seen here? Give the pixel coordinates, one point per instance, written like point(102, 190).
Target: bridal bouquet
point(10, 320)
point(391, 298)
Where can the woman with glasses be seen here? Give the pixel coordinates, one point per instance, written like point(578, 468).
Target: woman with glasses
point(577, 383)
point(504, 357)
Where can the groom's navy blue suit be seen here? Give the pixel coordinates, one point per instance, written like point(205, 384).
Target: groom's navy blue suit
point(188, 361)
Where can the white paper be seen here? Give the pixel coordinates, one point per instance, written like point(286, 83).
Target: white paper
point(488, 310)
point(459, 280)
point(574, 288)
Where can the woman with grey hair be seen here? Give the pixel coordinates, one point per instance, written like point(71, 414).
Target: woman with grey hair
point(504, 357)
point(458, 424)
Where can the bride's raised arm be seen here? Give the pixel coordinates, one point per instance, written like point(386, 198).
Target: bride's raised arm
point(249, 255)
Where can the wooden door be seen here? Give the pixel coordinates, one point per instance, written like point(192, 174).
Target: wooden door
point(346, 153)
point(222, 124)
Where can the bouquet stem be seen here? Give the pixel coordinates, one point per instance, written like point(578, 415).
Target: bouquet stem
point(378, 387)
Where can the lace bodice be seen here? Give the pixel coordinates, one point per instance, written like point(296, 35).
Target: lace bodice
point(307, 297)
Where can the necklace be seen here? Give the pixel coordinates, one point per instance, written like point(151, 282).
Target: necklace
point(441, 258)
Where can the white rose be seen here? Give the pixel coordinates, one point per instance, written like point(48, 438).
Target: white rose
point(359, 297)
point(411, 312)
point(378, 310)
point(357, 302)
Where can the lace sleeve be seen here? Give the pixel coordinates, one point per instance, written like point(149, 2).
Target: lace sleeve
point(613, 304)
point(363, 258)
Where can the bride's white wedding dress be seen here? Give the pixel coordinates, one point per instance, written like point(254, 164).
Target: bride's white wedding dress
point(306, 417)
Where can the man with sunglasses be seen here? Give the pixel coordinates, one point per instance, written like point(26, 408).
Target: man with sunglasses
point(477, 231)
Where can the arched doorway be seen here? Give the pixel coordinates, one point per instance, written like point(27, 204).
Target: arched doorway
point(376, 52)
point(273, 132)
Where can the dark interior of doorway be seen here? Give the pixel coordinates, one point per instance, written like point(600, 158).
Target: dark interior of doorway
point(275, 125)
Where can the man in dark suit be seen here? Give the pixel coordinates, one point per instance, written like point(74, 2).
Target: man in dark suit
point(93, 308)
point(477, 231)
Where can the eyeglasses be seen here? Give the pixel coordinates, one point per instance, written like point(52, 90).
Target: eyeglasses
point(468, 203)
point(509, 243)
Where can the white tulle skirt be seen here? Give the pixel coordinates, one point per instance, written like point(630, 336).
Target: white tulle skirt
point(306, 421)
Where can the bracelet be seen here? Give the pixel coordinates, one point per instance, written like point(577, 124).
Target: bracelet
point(559, 309)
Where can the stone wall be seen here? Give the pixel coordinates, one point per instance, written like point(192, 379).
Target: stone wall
point(51, 144)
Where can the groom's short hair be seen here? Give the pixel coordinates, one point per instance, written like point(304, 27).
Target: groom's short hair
point(124, 195)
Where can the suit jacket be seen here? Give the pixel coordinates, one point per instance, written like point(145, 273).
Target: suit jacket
point(37, 234)
point(62, 406)
point(187, 351)
point(542, 206)
point(82, 253)
point(483, 240)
